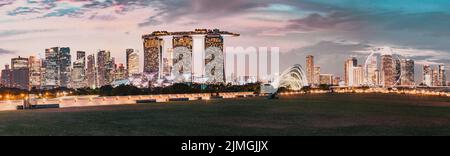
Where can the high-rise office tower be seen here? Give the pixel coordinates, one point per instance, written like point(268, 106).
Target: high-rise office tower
point(427, 75)
point(358, 76)
point(64, 66)
point(388, 71)
point(370, 71)
point(182, 54)
point(442, 75)
point(20, 73)
point(36, 72)
point(91, 72)
point(435, 75)
point(407, 72)
point(310, 69)
point(348, 73)
point(51, 68)
point(316, 76)
point(153, 48)
point(132, 61)
point(105, 67)
point(6, 77)
point(79, 71)
point(120, 72)
point(397, 70)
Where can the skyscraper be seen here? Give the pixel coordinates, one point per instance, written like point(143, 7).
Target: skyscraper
point(357, 76)
point(370, 71)
point(407, 72)
point(310, 69)
point(91, 72)
point(78, 71)
point(182, 54)
point(36, 72)
point(316, 76)
point(120, 72)
point(348, 70)
point(442, 76)
point(132, 61)
point(20, 73)
point(152, 55)
point(51, 68)
point(64, 66)
point(6, 77)
point(388, 70)
point(427, 75)
point(435, 73)
point(214, 59)
point(104, 68)
point(397, 70)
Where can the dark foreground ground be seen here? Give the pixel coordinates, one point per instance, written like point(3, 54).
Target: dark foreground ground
point(344, 114)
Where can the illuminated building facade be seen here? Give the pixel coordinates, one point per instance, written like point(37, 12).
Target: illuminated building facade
point(35, 65)
point(182, 63)
point(64, 58)
point(120, 73)
point(388, 71)
point(316, 76)
point(20, 73)
point(172, 59)
point(51, 78)
point(310, 69)
point(152, 55)
point(370, 70)
point(348, 70)
point(132, 62)
point(91, 72)
point(326, 79)
point(214, 59)
point(357, 76)
point(105, 68)
point(6, 77)
point(79, 71)
point(442, 76)
point(407, 72)
point(427, 75)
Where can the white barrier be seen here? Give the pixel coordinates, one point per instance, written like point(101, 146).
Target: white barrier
point(10, 104)
point(83, 101)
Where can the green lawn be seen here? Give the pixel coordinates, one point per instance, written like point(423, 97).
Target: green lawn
point(343, 114)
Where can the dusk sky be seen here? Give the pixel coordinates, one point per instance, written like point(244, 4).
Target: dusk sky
point(331, 30)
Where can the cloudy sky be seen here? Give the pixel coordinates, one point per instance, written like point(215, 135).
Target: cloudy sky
point(331, 30)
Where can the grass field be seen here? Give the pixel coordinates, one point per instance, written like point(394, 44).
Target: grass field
point(343, 114)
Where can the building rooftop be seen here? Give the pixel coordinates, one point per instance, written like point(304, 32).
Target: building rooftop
point(187, 33)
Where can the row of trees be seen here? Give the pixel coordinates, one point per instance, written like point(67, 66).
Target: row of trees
point(123, 90)
point(179, 88)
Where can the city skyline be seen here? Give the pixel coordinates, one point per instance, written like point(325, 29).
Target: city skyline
point(327, 30)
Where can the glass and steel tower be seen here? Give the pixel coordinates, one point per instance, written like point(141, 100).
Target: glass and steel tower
point(79, 72)
point(388, 71)
point(20, 73)
point(105, 68)
point(427, 75)
point(91, 72)
point(310, 69)
point(36, 72)
point(64, 66)
point(152, 55)
point(132, 62)
point(51, 68)
point(407, 72)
